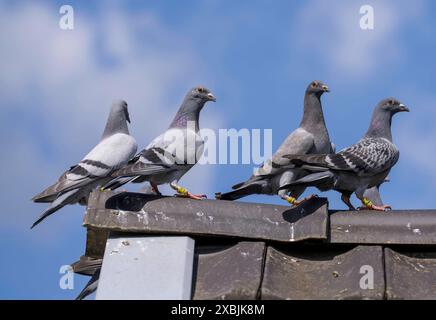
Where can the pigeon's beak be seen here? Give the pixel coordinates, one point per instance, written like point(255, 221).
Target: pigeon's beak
point(403, 108)
point(325, 88)
point(211, 97)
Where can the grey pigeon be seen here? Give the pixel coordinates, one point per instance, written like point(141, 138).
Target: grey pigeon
point(362, 166)
point(309, 138)
point(169, 156)
point(113, 151)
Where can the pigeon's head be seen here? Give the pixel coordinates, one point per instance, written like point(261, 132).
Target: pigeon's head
point(317, 87)
point(195, 99)
point(391, 106)
point(201, 94)
point(120, 108)
point(381, 121)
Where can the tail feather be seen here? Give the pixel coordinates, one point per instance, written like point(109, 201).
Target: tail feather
point(90, 287)
point(253, 179)
point(118, 182)
point(57, 204)
point(238, 185)
point(316, 179)
point(241, 192)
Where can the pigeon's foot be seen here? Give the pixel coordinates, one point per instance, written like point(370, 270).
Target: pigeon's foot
point(368, 205)
point(191, 196)
point(298, 202)
point(182, 192)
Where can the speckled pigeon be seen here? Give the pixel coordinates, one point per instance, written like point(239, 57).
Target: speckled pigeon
point(169, 156)
point(114, 150)
point(364, 165)
point(309, 138)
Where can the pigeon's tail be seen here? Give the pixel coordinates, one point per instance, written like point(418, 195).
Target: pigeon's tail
point(44, 199)
point(118, 182)
point(47, 195)
point(57, 204)
point(317, 179)
point(241, 192)
point(238, 185)
point(90, 287)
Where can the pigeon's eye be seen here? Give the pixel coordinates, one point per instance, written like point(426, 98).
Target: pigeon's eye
point(201, 90)
point(391, 102)
point(314, 84)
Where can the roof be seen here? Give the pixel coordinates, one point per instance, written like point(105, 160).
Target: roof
point(261, 251)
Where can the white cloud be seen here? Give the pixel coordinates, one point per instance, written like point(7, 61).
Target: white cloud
point(330, 31)
point(61, 78)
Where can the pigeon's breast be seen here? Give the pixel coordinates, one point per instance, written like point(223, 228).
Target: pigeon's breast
point(322, 143)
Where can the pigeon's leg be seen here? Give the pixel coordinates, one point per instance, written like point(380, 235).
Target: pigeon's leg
point(367, 204)
point(292, 197)
point(345, 197)
point(182, 192)
point(284, 195)
point(285, 178)
point(155, 189)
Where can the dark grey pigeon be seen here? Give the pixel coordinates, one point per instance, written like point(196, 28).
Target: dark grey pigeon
point(311, 137)
point(113, 151)
point(169, 156)
point(362, 166)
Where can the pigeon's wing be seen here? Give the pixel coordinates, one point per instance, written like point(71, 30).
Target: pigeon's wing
point(299, 142)
point(110, 154)
point(367, 157)
point(150, 161)
point(169, 151)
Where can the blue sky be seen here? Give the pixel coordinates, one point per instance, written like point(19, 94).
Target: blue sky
point(257, 57)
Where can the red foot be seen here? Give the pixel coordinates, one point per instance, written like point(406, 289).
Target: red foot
point(192, 196)
point(298, 202)
point(377, 208)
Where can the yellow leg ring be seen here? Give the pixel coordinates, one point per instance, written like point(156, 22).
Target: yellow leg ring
point(291, 200)
point(182, 190)
point(367, 202)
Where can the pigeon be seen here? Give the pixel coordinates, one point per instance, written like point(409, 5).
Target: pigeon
point(362, 166)
point(309, 138)
point(114, 150)
point(169, 156)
